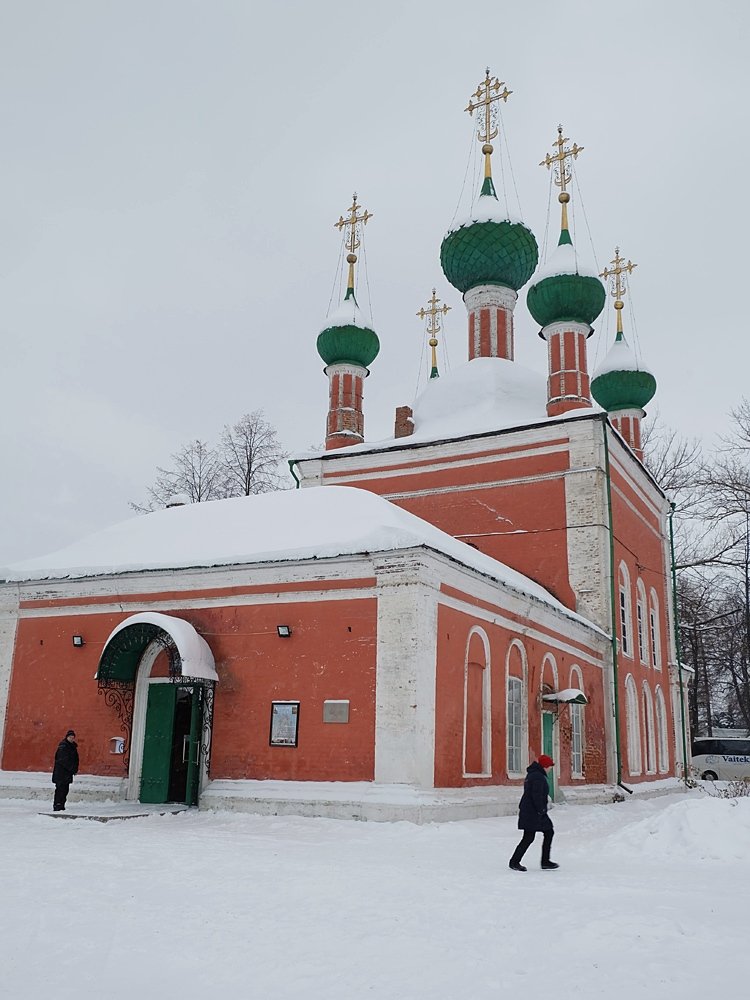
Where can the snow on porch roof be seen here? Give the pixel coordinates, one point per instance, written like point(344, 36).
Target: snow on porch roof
point(196, 658)
point(570, 696)
point(313, 523)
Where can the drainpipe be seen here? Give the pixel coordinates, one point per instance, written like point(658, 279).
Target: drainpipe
point(677, 648)
point(613, 605)
point(292, 462)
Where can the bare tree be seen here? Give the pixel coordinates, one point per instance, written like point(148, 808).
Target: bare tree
point(248, 460)
point(196, 472)
point(251, 456)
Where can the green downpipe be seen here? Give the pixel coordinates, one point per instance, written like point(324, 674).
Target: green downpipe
point(678, 649)
point(613, 604)
point(292, 462)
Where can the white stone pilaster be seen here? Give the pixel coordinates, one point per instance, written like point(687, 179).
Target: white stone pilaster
point(406, 670)
point(8, 625)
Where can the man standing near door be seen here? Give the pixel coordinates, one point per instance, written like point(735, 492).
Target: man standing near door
point(66, 765)
point(532, 814)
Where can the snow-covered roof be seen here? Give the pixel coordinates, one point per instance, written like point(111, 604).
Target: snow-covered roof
point(563, 260)
point(478, 397)
point(487, 209)
point(313, 523)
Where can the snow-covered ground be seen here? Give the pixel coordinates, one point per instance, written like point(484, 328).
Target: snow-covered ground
point(651, 901)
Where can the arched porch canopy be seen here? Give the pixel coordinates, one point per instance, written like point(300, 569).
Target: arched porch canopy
point(126, 644)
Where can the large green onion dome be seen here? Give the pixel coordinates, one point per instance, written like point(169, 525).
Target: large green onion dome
point(620, 382)
point(489, 248)
point(348, 339)
point(562, 290)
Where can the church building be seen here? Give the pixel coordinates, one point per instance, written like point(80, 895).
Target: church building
point(403, 632)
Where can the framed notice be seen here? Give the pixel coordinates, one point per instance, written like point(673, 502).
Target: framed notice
point(284, 723)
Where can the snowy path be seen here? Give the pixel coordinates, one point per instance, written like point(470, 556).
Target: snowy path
point(650, 902)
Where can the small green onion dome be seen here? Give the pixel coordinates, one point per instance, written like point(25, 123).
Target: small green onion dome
point(488, 248)
point(620, 383)
point(348, 339)
point(564, 291)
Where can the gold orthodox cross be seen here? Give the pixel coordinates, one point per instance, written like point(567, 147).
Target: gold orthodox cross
point(563, 172)
point(432, 313)
point(352, 240)
point(487, 94)
point(618, 288)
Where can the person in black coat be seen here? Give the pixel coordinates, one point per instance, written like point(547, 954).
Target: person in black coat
point(66, 765)
point(532, 814)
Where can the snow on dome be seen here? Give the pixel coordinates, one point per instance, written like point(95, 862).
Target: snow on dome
point(318, 522)
point(563, 260)
point(487, 209)
point(620, 358)
point(484, 394)
point(348, 314)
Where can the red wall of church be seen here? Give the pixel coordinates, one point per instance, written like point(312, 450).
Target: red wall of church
point(522, 524)
point(455, 641)
point(330, 655)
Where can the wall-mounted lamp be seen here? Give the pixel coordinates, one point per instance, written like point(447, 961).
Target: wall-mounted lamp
point(77, 640)
point(284, 631)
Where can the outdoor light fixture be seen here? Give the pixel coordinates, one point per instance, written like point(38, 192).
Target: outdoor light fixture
point(284, 631)
point(77, 640)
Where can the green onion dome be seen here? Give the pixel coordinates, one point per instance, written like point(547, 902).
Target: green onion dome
point(620, 383)
point(489, 248)
point(348, 339)
point(562, 290)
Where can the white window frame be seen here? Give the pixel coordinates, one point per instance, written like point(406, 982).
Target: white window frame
point(516, 728)
point(576, 728)
point(486, 706)
point(514, 725)
point(633, 724)
point(625, 605)
point(654, 630)
point(649, 730)
point(640, 614)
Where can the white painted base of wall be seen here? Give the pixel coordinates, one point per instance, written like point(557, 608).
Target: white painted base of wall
point(38, 785)
point(336, 799)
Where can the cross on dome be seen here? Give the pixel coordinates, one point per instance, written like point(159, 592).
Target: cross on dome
point(616, 276)
point(563, 174)
point(353, 241)
point(487, 94)
point(432, 313)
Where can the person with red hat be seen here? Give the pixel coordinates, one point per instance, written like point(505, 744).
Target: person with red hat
point(532, 814)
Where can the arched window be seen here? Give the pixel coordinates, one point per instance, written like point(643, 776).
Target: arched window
point(662, 741)
point(625, 611)
point(477, 729)
point(515, 714)
point(576, 728)
point(648, 718)
point(633, 722)
point(654, 630)
point(640, 618)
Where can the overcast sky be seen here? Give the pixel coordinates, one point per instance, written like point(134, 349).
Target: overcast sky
point(170, 173)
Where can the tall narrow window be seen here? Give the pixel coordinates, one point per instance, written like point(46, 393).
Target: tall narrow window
point(661, 731)
point(653, 617)
point(640, 614)
point(625, 611)
point(477, 747)
point(576, 741)
point(576, 728)
point(648, 718)
point(633, 726)
point(515, 725)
